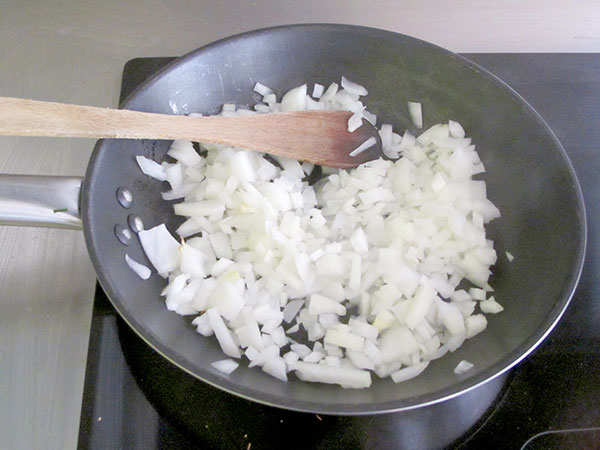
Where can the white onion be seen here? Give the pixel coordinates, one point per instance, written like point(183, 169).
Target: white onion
point(490, 306)
point(226, 365)
point(409, 372)
point(329, 93)
point(353, 88)
point(355, 121)
point(295, 99)
point(456, 130)
point(160, 248)
point(151, 168)
point(184, 152)
point(262, 89)
point(276, 367)
point(367, 262)
point(415, 113)
point(317, 90)
point(346, 377)
point(367, 144)
point(223, 334)
point(462, 367)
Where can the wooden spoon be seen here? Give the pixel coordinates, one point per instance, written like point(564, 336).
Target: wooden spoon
point(319, 137)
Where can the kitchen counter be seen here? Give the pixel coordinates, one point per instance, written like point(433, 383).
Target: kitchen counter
point(74, 52)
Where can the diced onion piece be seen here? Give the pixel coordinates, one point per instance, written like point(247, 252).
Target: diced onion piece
point(301, 350)
point(397, 342)
point(359, 241)
point(462, 367)
point(320, 304)
point(346, 377)
point(408, 141)
point(409, 372)
point(456, 130)
point(223, 334)
point(370, 117)
point(364, 329)
point(490, 306)
point(386, 135)
point(225, 366)
point(160, 248)
point(360, 360)
point(419, 305)
point(200, 208)
point(291, 310)
point(477, 294)
point(329, 93)
point(295, 99)
point(353, 88)
point(184, 152)
point(226, 300)
point(276, 367)
point(355, 121)
point(262, 89)
point(364, 146)
point(151, 168)
point(415, 113)
point(345, 340)
point(509, 256)
point(203, 326)
point(451, 317)
point(475, 324)
point(317, 90)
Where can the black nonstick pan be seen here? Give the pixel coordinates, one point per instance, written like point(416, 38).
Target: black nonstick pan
point(529, 178)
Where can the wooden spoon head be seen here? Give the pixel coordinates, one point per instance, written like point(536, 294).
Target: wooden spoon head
point(324, 138)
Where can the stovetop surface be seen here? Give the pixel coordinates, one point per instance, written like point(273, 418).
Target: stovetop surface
point(133, 397)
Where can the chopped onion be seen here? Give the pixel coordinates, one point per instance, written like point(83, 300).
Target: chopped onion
point(151, 168)
point(364, 146)
point(329, 93)
point(462, 367)
point(355, 121)
point(225, 365)
point(367, 261)
point(223, 334)
point(490, 306)
point(346, 377)
point(456, 130)
point(353, 88)
point(295, 99)
point(262, 89)
point(416, 114)
point(160, 248)
point(409, 372)
point(317, 90)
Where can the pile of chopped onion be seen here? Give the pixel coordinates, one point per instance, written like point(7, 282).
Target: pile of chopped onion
point(359, 275)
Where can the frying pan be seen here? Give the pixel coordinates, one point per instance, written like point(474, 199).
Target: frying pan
point(529, 178)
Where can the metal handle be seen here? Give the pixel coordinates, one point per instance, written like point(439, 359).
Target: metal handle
point(40, 201)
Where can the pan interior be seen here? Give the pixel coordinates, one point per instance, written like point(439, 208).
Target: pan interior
point(528, 176)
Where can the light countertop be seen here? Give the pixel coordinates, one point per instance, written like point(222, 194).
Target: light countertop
point(74, 51)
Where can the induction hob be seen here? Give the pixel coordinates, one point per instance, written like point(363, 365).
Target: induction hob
point(133, 397)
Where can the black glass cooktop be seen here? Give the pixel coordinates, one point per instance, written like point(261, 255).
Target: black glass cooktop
point(134, 399)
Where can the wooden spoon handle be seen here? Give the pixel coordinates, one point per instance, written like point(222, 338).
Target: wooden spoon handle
point(315, 136)
point(21, 117)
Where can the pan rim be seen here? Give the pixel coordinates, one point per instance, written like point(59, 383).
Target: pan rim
point(502, 366)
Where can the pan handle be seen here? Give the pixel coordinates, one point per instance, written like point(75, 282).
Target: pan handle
point(40, 201)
